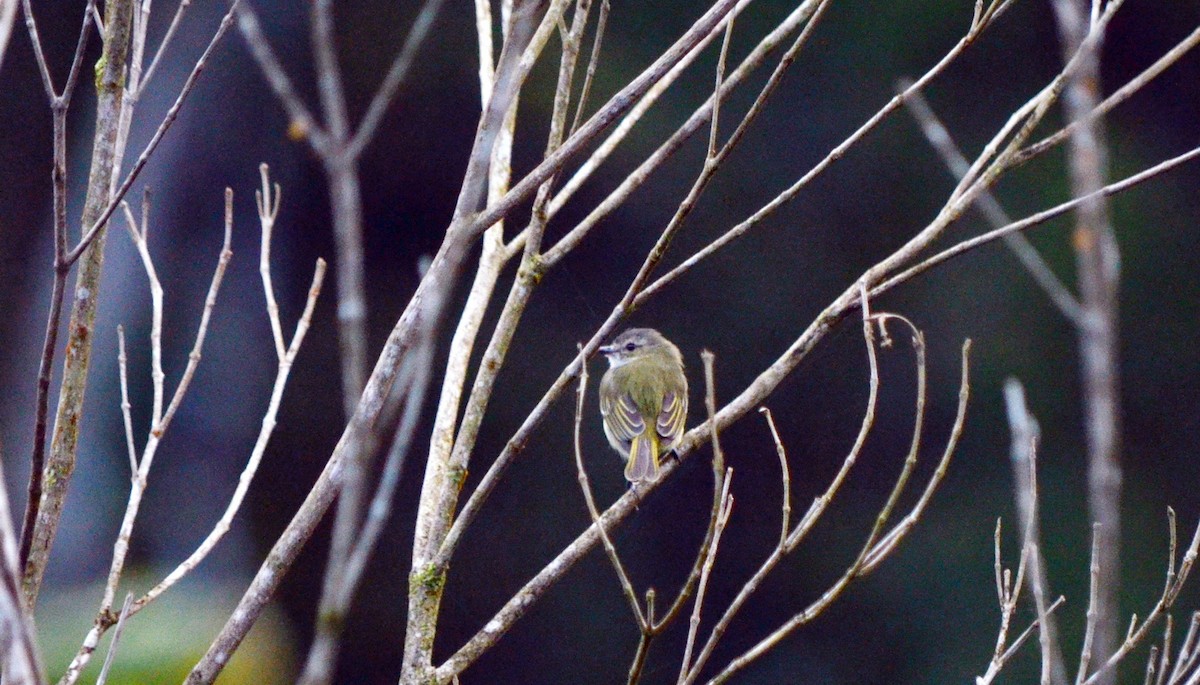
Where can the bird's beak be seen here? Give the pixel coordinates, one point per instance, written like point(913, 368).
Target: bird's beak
point(607, 349)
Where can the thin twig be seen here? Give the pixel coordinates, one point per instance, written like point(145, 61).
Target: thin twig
point(1176, 579)
point(1033, 220)
point(617, 105)
point(586, 486)
point(333, 608)
point(401, 65)
point(140, 238)
point(1003, 659)
point(643, 647)
point(784, 474)
point(139, 478)
point(268, 209)
point(1025, 435)
point(176, 19)
point(116, 640)
point(785, 546)
point(1165, 655)
point(1089, 634)
point(873, 547)
point(1187, 651)
point(126, 407)
point(936, 133)
point(1123, 93)
point(835, 154)
point(621, 131)
point(811, 13)
point(393, 466)
point(723, 509)
point(56, 474)
point(714, 125)
point(59, 106)
point(1097, 265)
point(95, 226)
point(590, 72)
point(694, 623)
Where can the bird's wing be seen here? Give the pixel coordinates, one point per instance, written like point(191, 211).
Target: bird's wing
point(622, 418)
point(671, 419)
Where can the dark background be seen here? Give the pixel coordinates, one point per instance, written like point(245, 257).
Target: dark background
point(928, 615)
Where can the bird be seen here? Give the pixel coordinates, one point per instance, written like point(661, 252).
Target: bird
point(643, 400)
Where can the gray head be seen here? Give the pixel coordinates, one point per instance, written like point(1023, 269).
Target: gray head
point(634, 343)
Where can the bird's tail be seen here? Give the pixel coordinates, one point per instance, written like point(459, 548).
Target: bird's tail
point(643, 458)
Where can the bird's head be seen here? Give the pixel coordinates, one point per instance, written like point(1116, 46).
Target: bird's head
point(640, 343)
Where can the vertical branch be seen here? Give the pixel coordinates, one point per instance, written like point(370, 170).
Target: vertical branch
point(725, 509)
point(1089, 634)
point(334, 606)
point(110, 84)
point(1025, 434)
point(105, 617)
point(345, 203)
point(644, 619)
point(116, 640)
point(59, 104)
point(126, 407)
point(1097, 263)
point(160, 424)
point(784, 475)
point(448, 460)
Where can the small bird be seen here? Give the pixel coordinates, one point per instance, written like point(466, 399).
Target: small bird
point(643, 400)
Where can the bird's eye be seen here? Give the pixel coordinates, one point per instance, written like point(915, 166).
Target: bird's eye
point(630, 347)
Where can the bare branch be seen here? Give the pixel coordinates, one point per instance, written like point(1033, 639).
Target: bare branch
point(1033, 220)
point(590, 73)
point(268, 209)
point(334, 605)
point(96, 226)
point(1089, 635)
point(56, 474)
point(940, 138)
point(1003, 659)
point(694, 624)
point(158, 429)
point(59, 105)
point(617, 106)
point(723, 510)
point(806, 12)
point(1176, 579)
point(783, 469)
point(1123, 93)
point(180, 10)
point(835, 154)
point(116, 640)
point(586, 486)
point(875, 547)
point(417, 34)
point(1025, 435)
point(126, 407)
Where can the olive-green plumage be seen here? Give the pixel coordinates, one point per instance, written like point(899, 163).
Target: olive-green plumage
point(643, 400)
